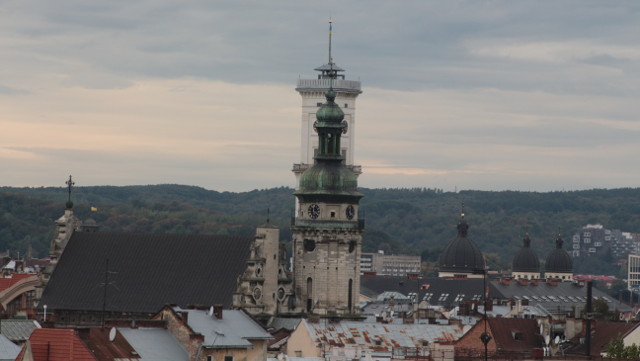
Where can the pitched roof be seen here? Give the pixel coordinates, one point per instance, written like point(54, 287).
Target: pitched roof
point(18, 330)
point(154, 344)
point(602, 333)
point(434, 290)
point(554, 296)
point(235, 329)
point(379, 336)
point(148, 271)
point(49, 344)
point(515, 334)
point(100, 344)
point(7, 282)
point(8, 349)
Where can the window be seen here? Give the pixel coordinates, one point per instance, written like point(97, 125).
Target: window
point(592, 250)
point(346, 105)
point(228, 358)
point(318, 104)
point(587, 240)
point(298, 353)
point(209, 358)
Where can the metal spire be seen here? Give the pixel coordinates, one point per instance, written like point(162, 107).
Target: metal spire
point(330, 34)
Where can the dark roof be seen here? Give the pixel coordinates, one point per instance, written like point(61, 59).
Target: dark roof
point(149, 271)
point(526, 260)
point(461, 255)
point(602, 333)
point(434, 290)
point(555, 297)
point(559, 260)
point(515, 334)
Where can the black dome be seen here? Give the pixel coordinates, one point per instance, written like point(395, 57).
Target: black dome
point(559, 260)
point(526, 259)
point(461, 255)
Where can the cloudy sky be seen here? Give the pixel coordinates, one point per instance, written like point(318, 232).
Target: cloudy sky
point(490, 95)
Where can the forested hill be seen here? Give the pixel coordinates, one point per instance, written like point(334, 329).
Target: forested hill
point(417, 221)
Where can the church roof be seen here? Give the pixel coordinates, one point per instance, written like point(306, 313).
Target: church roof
point(462, 255)
point(147, 271)
point(433, 290)
point(526, 260)
point(559, 260)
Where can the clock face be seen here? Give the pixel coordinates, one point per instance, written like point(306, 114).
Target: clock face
point(350, 212)
point(314, 211)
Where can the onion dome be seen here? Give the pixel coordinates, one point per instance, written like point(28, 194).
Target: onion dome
point(330, 112)
point(526, 259)
point(328, 178)
point(462, 255)
point(559, 260)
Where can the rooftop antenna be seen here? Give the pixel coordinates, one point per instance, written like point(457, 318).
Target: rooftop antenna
point(330, 34)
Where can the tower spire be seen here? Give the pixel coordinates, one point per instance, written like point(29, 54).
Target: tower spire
point(330, 35)
point(70, 183)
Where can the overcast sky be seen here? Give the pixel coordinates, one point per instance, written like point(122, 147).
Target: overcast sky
point(490, 95)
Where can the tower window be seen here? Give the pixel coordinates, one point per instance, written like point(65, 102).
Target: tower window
point(333, 214)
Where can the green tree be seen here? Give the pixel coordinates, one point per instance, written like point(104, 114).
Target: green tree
point(615, 348)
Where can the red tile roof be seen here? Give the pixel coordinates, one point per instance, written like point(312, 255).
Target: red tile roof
point(504, 332)
point(603, 332)
point(15, 278)
point(48, 344)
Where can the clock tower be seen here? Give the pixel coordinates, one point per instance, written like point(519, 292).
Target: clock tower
point(326, 230)
point(313, 92)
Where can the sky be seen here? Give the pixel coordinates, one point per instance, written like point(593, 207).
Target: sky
point(486, 95)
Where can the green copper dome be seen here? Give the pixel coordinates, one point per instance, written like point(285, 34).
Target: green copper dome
point(330, 112)
point(328, 178)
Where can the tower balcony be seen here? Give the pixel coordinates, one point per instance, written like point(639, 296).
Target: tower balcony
point(339, 85)
point(357, 224)
point(299, 168)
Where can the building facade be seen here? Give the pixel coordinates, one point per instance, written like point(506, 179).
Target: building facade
point(326, 229)
point(389, 264)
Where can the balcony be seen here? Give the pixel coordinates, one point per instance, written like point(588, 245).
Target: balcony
point(339, 85)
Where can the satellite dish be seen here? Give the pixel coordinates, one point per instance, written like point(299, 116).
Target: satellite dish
point(556, 340)
point(112, 334)
point(211, 311)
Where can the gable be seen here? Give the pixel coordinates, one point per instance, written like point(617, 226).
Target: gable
point(147, 271)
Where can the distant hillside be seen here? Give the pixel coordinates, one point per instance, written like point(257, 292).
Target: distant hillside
point(418, 221)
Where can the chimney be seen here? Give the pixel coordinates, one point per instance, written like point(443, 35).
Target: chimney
point(217, 311)
point(185, 317)
point(488, 305)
